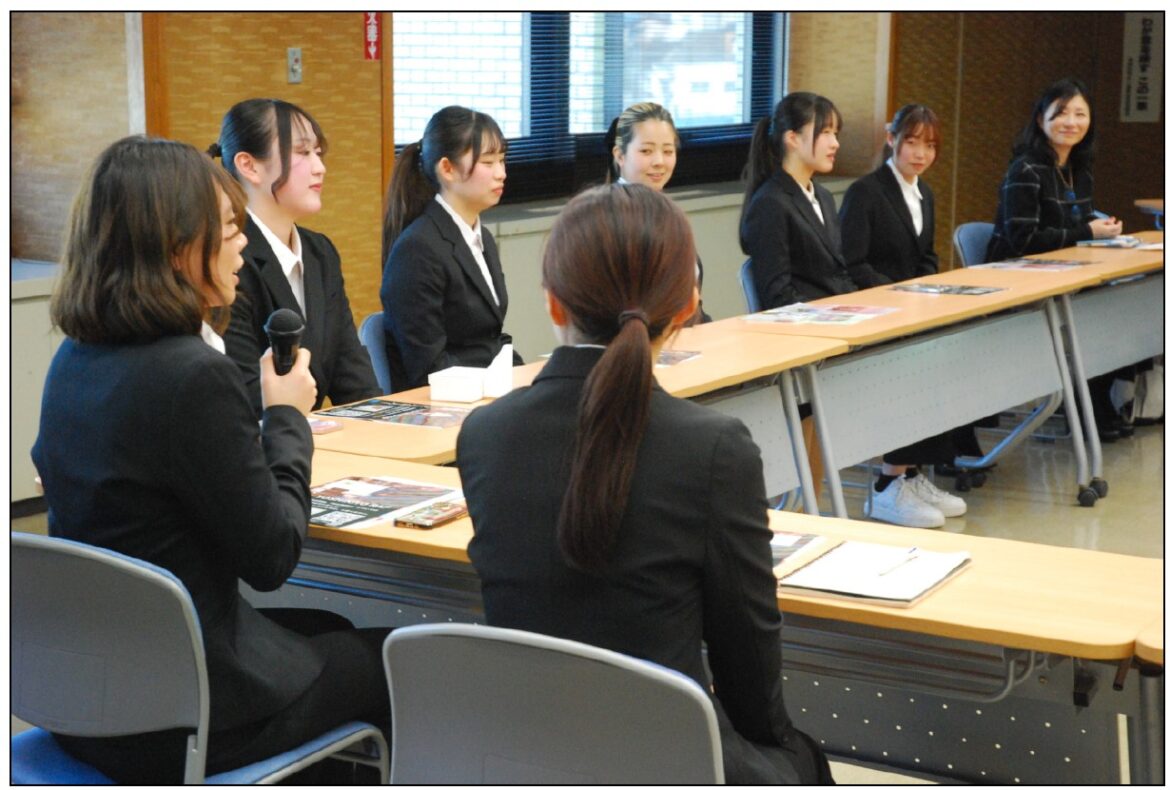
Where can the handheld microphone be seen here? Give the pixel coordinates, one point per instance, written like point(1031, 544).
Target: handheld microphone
point(284, 328)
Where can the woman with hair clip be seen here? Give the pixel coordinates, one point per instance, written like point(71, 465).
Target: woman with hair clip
point(148, 446)
point(276, 151)
point(1046, 203)
point(608, 512)
point(788, 224)
point(643, 149)
point(443, 291)
point(887, 234)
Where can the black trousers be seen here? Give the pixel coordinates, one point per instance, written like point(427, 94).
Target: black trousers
point(351, 686)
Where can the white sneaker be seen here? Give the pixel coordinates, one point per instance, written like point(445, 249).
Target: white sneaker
point(948, 504)
point(899, 505)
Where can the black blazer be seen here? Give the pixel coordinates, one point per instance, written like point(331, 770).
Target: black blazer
point(795, 256)
point(691, 563)
point(340, 364)
point(153, 450)
point(438, 308)
point(877, 232)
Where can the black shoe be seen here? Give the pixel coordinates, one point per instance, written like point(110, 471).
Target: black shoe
point(1108, 433)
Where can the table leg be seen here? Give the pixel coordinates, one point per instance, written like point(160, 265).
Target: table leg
point(1089, 421)
point(831, 472)
point(800, 452)
point(1147, 739)
point(1086, 495)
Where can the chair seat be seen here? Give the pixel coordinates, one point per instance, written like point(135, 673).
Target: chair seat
point(37, 759)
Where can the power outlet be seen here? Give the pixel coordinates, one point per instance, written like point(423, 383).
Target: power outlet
point(295, 66)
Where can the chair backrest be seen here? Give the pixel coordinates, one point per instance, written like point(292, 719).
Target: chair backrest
point(750, 297)
point(104, 644)
point(476, 704)
point(971, 240)
point(372, 335)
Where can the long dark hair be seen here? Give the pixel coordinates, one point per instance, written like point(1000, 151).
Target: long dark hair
point(621, 259)
point(143, 203)
point(622, 129)
point(792, 113)
point(450, 133)
point(912, 119)
point(251, 126)
point(1032, 140)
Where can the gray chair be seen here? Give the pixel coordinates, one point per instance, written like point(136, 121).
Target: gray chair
point(750, 297)
point(104, 644)
point(481, 705)
point(971, 240)
point(372, 335)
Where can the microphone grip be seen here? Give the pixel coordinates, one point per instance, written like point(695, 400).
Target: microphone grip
point(284, 355)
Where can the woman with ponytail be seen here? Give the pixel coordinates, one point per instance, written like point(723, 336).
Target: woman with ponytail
point(276, 152)
point(608, 512)
point(789, 224)
point(643, 149)
point(443, 292)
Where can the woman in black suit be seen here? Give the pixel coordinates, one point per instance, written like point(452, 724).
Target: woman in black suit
point(276, 151)
point(789, 224)
point(609, 512)
point(443, 291)
point(148, 445)
point(887, 233)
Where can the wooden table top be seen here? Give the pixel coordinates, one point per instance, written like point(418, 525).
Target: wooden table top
point(727, 357)
point(1029, 596)
point(917, 312)
point(1149, 642)
point(1073, 602)
point(447, 542)
point(1151, 205)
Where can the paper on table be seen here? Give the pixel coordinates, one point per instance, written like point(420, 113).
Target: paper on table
point(889, 575)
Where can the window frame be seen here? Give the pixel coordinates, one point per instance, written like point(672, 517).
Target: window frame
point(549, 162)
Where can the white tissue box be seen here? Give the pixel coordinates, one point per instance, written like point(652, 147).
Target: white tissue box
point(457, 383)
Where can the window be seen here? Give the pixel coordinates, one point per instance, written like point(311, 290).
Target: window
point(554, 81)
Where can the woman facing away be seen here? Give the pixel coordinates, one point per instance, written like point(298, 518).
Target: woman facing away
point(443, 291)
point(643, 149)
point(149, 446)
point(608, 512)
point(276, 151)
point(887, 235)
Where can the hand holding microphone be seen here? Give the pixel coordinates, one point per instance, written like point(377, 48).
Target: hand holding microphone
point(284, 369)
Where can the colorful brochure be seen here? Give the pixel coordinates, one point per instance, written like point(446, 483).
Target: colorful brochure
point(938, 288)
point(836, 314)
point(367, 501)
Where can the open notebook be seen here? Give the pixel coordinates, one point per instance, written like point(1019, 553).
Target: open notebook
point(874, 573)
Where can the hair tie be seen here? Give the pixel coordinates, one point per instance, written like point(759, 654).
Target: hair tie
point(215, 151)
point(640, 315)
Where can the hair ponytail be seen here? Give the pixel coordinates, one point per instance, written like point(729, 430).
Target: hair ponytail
point(613, 172)
point(406, 197)
point(450, 133)
point(620, 258)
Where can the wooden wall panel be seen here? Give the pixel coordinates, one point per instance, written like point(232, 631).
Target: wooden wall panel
point(983, 71)
point(65, 110)
point(214, 60)
point(834, 54)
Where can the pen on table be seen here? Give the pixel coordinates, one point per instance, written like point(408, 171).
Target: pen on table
point(911, 554)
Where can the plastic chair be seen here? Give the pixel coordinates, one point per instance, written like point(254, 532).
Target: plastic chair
point(104, 644)
point(750, 297)
point(476, 704)
point(372, 335)
point(971, 240)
